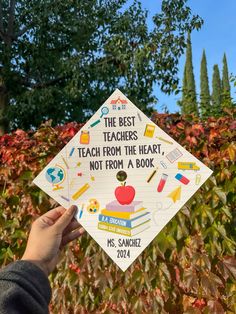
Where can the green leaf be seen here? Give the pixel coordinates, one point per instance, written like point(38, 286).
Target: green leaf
point(26, 175)
point(219, 192)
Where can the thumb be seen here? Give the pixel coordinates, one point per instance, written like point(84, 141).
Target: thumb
point(66, 218)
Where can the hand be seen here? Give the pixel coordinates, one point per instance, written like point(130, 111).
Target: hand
point(49, 233)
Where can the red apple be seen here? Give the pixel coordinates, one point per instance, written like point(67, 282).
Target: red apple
point(125, 194)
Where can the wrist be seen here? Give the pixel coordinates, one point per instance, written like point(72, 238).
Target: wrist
point(39, 264)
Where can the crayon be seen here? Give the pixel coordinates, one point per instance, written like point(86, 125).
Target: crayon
point(72, 151)
point(65, 198)
point(81, 191)
point(81, 211)
point(95, 123)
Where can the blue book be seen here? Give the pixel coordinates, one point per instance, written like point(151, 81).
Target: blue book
point(128, 223)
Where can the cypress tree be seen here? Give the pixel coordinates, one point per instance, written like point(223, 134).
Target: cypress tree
point(189, 98)
point(184, 93)
point(216, 91)
point(205, 92)
point(226, 96)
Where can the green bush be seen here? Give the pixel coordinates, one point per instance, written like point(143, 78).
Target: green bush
point(189, 267)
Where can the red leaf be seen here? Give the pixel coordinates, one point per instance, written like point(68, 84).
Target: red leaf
point(199, 303)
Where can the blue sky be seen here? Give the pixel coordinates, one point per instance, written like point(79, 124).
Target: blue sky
point(217, 36)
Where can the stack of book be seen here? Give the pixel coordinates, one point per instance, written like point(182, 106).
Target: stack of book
point(128, 220)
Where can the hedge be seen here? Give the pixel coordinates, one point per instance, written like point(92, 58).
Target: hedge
point(190, 267)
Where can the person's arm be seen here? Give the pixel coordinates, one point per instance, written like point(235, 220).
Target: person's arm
point(24, 286)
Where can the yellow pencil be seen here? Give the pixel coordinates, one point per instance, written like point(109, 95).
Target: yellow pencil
point(164, 140)
point(81, 191)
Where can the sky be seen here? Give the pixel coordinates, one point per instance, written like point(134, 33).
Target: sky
point(216, 36)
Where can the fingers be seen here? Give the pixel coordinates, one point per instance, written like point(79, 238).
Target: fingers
point(51, 216)
point(65, 218)
point(72, 236)
point(72, 226)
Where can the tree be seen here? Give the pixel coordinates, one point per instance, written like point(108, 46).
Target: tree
point(182, 102)
point(216, 91)
point(226, 100)
point(61, 59)
point(205, 92)
point(189, 97)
